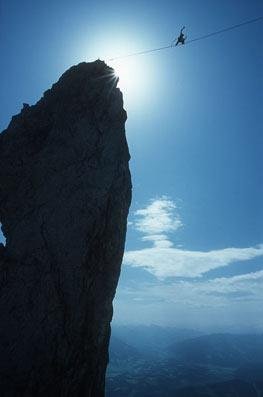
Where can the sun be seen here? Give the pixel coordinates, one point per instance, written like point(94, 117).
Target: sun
point(128, 73)
point(131, 75)
point(135, 74)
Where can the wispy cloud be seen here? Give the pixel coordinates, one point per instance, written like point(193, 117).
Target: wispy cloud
point(164, 260)
point(223, 290)
point(156, 220)
point(220, 290)
point(220, 303)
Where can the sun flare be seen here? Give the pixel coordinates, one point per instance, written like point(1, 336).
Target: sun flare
point(130, 76)
point(135, 74)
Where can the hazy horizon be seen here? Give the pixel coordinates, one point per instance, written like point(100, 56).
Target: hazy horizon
point(203, 331)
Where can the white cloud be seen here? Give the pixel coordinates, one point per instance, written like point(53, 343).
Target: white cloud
point(163, 260)
point(158, 217)
point(166, 262)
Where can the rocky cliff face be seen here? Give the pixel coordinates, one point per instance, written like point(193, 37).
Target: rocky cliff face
point(65, 191)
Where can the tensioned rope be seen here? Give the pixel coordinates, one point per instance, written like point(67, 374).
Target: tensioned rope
point(189, 41)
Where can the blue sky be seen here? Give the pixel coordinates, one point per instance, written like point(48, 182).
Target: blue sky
point(193, 255)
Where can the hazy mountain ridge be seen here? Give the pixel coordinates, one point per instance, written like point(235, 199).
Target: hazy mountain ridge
point(219, 349)
point(152, 339)
point(225, 372)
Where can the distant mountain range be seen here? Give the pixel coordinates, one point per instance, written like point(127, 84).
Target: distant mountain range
point(152, 339)
point(223, 350)
point(167, 362)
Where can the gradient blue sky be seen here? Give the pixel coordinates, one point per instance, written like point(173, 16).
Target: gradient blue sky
point(195, 134)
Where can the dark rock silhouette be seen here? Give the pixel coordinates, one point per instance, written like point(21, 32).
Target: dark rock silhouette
point(65, 191)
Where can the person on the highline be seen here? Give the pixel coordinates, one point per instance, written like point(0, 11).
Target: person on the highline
point(180, 39)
